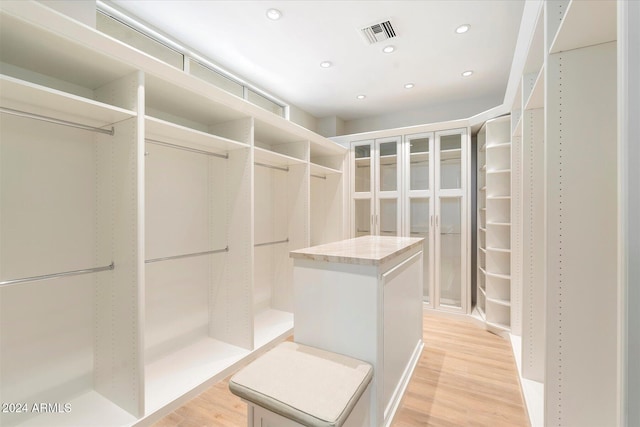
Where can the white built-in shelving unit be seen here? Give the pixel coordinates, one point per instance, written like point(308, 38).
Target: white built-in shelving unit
point(567, 209)
point(141, 214)
point(494, 224)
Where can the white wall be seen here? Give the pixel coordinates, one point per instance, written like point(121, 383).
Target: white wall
point(303, 118)
point(441, 113)
point(330, 126)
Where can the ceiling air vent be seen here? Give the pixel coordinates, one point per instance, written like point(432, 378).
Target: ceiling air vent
point(378, 32)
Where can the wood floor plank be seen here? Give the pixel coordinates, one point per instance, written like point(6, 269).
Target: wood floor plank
point(466, 376)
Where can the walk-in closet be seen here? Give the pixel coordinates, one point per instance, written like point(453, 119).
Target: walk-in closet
point(177, 201)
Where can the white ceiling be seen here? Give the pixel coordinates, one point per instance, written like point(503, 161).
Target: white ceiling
point(283, 57)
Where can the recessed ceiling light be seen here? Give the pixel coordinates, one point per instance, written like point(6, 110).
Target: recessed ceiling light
point(463, 28)
point(409, 86)
point(274, 14)
point(361, 96)
point(325, 64)
point(467, 73)
point(389, 49)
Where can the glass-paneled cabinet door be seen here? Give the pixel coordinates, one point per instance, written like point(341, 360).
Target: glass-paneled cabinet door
point(451, 220)
point(419, 180)
point(362, 187)
point(450, 157)
point(388, 182)
point(450, 250)
point(363, 167)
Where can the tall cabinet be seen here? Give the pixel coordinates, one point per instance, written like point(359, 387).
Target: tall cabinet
point(416, 185)
point(376, 187)
point(145, 222)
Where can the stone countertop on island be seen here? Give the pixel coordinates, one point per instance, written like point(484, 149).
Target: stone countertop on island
point(366, 250)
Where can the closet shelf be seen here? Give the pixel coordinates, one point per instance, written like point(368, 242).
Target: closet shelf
point(497, 171)
point(517, 130)
point(500, 224)
point(32, 98)
point(271, 324)
point(389, 160)
point(177, 373)
point(175, 134)
point(272, 158)
point(498, 197)
point(501, 145)
point(536, 97)
point(499, 276)
point(87, 409)
point(455, 153)
point(499, 250)
point(499, 326)
point(498, 301)
point(599, 17)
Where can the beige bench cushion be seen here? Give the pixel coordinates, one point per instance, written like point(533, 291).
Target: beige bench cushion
point(305, 384)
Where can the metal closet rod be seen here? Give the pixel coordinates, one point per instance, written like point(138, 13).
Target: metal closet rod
point(56, 121)
point(215, 251)
point(319, 176)
point(180, 147)
point(56, 275)
point(264, 165)
point(271, 243)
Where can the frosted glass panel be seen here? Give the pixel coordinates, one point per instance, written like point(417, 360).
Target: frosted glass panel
point(363, 168)
point(388, 217)
point(363, 217)
point(419, 217)
point(419, 227)
point(215, 78)
point(388, 166)
point(450, 161)
point(136, 39)
point(419, 164)
point(450, 251)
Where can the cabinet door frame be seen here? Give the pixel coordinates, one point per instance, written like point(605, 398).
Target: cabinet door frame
point(409, 194)
point(462, 194)
point(388, 194)
point(362, 195)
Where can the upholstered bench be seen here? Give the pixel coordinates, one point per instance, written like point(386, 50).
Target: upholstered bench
point(293, 385)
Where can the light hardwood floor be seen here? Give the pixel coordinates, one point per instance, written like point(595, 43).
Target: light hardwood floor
point(466, 376)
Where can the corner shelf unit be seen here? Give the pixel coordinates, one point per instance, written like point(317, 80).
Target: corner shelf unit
point(135, 202)
point(494, 224)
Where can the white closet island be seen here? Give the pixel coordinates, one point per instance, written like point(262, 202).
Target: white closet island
point(362, 297)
